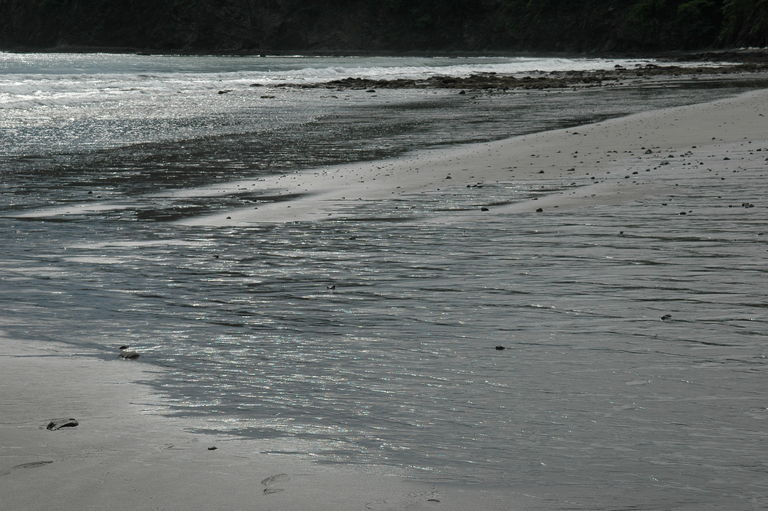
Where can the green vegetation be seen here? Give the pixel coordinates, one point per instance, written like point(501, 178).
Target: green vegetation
point(385, 25)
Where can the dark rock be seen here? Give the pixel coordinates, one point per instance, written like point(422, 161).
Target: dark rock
point(484, 209)
point(56, 424)
point(500, 348)
point(540, 210)
point(666, 317)
point(212, 448)
point(123, 347)
point(225, 91)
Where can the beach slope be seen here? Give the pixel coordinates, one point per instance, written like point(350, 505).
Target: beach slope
point(608, 162)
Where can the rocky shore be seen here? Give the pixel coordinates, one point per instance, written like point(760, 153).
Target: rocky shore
point(544, 80)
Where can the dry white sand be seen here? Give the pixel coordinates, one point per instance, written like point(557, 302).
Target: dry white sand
point(124, 456)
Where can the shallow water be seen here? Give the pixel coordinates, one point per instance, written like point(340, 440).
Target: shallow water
point(596, 402)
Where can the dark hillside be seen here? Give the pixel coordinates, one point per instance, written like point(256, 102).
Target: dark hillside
point(384, 25)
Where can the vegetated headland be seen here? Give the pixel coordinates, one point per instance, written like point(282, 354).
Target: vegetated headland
point(382, 26)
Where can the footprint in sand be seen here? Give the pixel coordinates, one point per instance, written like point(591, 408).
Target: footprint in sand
point(33, 464)
point(408, 501)
point(270, 483)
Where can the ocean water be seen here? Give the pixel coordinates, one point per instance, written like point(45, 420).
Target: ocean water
point(371, 339)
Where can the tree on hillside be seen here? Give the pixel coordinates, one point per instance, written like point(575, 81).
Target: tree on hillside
point(745, 22)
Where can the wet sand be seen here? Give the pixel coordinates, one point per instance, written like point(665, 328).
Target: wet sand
point(124, 455)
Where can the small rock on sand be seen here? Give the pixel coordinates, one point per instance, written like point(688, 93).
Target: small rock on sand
point(128, 355)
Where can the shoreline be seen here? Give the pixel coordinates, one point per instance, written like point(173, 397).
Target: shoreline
point(731, 54)
point(126, 455)
point(641, 141)
point(607, 162)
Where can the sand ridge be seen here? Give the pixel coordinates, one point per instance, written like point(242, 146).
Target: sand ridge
point(613, 154)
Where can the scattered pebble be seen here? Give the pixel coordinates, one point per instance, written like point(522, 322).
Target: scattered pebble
point(128, 355)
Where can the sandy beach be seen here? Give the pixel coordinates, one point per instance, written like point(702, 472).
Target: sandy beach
point(125, 455)
point(625, 158)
